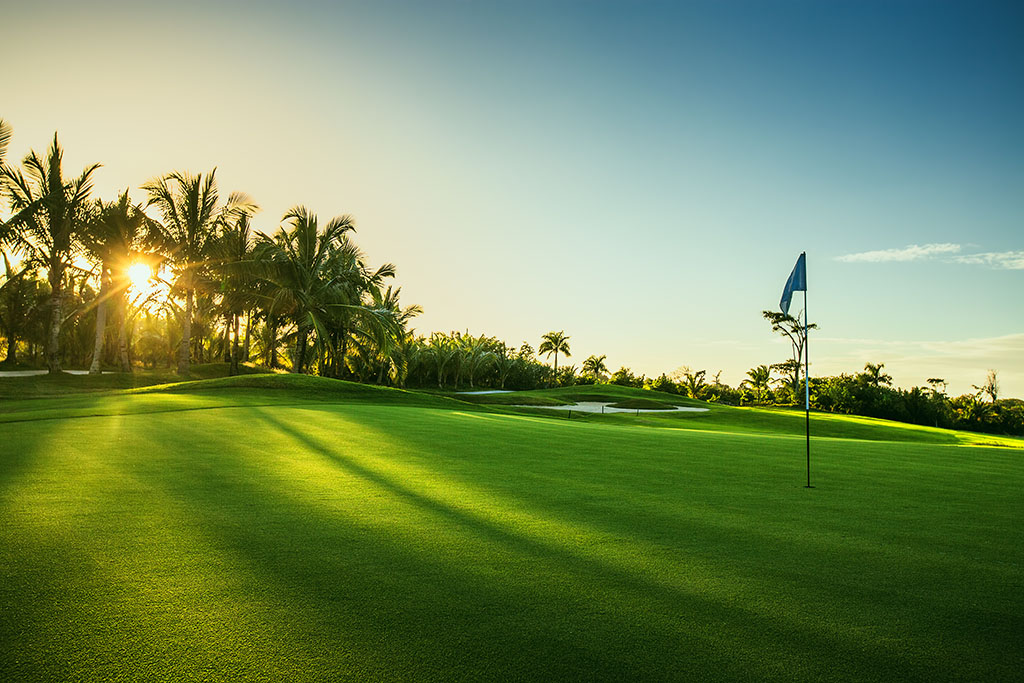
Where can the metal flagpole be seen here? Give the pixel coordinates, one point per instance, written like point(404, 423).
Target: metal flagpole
point(807, 381)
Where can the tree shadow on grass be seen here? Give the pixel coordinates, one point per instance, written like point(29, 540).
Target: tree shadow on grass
point(345, 597)
point(691, 628)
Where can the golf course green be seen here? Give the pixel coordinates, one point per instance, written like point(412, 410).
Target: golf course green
point(270, 528)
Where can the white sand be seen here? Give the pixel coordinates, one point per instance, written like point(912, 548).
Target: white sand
point(598, 407)
point(488, 391)
point(31, 373)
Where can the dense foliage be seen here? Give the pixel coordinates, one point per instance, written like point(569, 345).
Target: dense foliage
point(304, 299)
point(865, 393)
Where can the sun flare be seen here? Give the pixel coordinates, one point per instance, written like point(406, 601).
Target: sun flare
point(139, 274)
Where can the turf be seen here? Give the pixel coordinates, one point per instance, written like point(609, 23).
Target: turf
point(610, 393)
point(723, 418)
point(643, 404)
point(308, 531)
point(270, 390)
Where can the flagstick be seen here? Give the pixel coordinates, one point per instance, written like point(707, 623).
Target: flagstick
point(807, 390)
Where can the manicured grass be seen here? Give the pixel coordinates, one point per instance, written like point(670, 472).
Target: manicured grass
point(642, 404)
point(722, 418)
point(562, 395)
point(308, 531)
point(244, 390)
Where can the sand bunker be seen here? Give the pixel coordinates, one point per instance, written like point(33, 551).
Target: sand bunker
point(33, 373)
point(600, 407)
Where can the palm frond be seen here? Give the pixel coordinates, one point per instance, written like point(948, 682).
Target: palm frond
point(6, 132)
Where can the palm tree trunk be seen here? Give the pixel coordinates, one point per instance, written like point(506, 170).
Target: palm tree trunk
point(101, 321)
point(122, 335)
point(273, 344)
point(234, 347)
point(12, 344)
point(272, 351)
point(53, 336)
point(300, 350)
point(12, 340)
point(248, 335)
point(344, 351)
point(335, 363)
point(186, 335)
point(226, 343)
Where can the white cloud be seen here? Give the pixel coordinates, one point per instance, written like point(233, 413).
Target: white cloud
point(1009, 260)
point(1006, 260)
point(914, 252)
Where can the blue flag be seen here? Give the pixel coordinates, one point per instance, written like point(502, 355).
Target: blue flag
point(797, 282)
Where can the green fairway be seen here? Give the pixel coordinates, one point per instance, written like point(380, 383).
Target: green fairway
point(722, 418)
point(292, 528)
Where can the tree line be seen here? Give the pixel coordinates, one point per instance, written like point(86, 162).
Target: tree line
point(68, 297)
point(304, 299)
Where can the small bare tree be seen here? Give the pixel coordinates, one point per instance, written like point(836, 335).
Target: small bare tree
point(792, 329)
point(990, 387)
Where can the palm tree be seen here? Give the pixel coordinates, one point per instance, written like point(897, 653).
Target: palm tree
point(693, 383)
point(388, 346)
point(595, 366)
point(442, 350)
point(206, 314)
point(11, 275)
point(298, 265)
point(364, 313)
point(234, 251)
point(478, 356)
point(190, 208)
point(567, 377)
point(759, 379)
point(152, 345)
point(554, 342)
point(873, 375)
point(19, 300)
point(26, 210)
point(272, 317)
point(317, 277)
point(505, 362)
point(6, 132)
point(117, 235)
point(50, 212)
point(406, 357)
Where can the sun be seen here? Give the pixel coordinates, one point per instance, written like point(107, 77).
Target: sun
point(139, 274)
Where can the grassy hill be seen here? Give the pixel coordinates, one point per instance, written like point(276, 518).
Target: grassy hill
point(103, 397)
point(749, 420)
point(296, 528)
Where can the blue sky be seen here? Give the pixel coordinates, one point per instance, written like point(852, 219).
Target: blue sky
point(641, 175)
